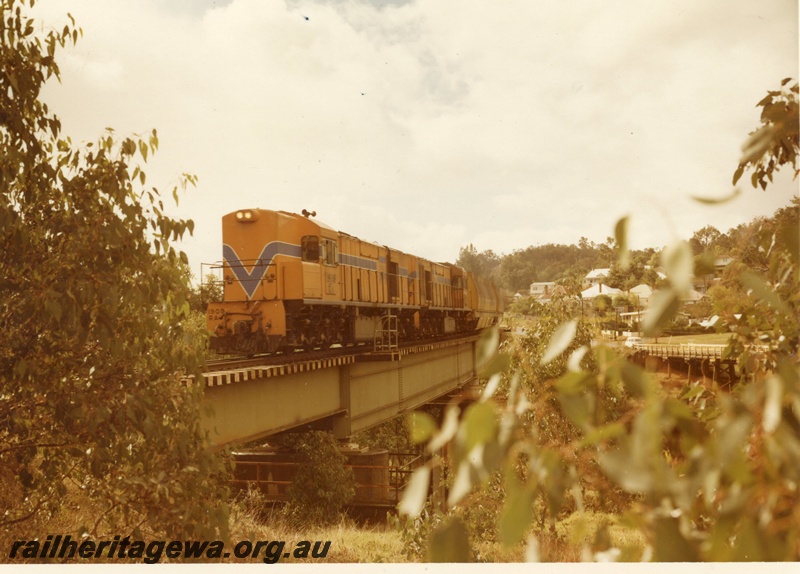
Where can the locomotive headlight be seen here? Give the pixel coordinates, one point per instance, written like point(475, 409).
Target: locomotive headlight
point(246, 216)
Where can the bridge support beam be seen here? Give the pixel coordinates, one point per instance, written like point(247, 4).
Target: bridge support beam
point(345, 395)
point(341, 421)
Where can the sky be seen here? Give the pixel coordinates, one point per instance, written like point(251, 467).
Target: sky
point(430, 125)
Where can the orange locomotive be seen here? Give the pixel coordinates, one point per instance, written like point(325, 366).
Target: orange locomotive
point(292, 282)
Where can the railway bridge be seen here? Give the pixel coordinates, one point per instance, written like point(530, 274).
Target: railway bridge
point(708, 360)
point(345, 393)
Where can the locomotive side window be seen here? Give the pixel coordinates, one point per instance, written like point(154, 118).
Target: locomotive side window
point(330, 254)
point(310, 248)
point(428, 285)
point(393, 280)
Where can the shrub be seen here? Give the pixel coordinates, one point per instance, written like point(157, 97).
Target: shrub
point(322, 485)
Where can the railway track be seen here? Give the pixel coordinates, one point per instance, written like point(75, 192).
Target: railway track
point(270, 359)
point(277, 359)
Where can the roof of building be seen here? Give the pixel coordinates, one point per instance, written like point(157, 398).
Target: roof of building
point(642, 290)
point(598, 273)
point(692, 295)
point(599, 289)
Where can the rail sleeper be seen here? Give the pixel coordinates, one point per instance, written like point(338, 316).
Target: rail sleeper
point(238, 375)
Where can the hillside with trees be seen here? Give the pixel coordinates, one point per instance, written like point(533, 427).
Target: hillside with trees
point(719, 259)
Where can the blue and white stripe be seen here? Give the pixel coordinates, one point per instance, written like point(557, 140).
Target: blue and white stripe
point(250, 280)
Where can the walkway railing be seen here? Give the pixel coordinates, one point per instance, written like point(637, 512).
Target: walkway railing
point(684, 351)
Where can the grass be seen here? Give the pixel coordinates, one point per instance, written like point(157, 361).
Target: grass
point(252, 519)
point(574, 538)
point(349, 542)
point(582, 531)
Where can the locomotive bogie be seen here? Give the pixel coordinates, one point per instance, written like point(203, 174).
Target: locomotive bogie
point(292, 282)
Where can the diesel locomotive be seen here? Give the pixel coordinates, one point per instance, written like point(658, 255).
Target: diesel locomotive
point(292, 282)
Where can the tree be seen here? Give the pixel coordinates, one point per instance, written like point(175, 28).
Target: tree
point(322, 484)
point(93, 303)
point(209, 291)
point(549, 262)
point(725, 299)
point(572, 283)
point(483, 263)
point(703, 240)
point(603, 304)
point(625, 300)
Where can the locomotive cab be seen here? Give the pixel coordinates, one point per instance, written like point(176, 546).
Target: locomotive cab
point(271, 260)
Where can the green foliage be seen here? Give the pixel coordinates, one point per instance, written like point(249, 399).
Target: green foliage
point(603, 304)
point(637, 272)
point(450, 542)
point(705, 239)
point(208, 291)
point(702, 473)
point(483, 263)
point(775, 143)
point(525, 306)
point(393, 435)
point(551, 262)
point(567, 265)
point(534, 344)
point(480, 510)
point(415, 532)
point(322, 484)
point(94, 306)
